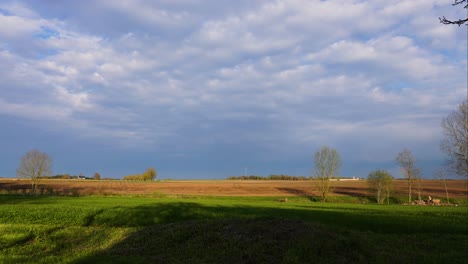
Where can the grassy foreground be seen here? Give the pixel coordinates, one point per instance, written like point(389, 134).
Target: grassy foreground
point(46, 229)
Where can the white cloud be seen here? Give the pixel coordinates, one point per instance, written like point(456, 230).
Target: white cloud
point(13, 26)
point(45, 113)
point(78, 101)
point(300, 72)
point(147, 13)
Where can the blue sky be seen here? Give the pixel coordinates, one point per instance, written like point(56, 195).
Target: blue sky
point(209, 89)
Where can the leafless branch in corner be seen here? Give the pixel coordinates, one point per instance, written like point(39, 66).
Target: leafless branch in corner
point(458, 22)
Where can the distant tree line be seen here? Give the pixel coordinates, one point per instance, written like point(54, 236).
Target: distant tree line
point(148, 175)
point(67, 176)
point(96, 176)
point(275, 177)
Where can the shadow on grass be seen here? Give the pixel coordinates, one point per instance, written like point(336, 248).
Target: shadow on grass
point(193, 233)
point(24, 198)
point(235, 240)
point(186, 232)
point(360, 218)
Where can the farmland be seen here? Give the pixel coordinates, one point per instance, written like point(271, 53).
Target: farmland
point(224, 222)
point(456, 188)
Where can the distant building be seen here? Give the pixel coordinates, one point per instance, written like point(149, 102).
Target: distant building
point(346, 179)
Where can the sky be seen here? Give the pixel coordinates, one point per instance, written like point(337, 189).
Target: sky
point(210, 89)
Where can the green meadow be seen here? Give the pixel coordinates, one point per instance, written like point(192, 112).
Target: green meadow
point(105, 229)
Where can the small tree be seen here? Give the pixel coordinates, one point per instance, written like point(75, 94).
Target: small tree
point(133, 177)
point(149, 174)
point(327, 162)
point(407, 162)
point(380, 183)
point(441, 175)
point(419, 183)
point(97, 176)
point(34, 165)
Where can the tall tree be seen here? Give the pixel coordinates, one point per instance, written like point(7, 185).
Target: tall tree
point(380, 183)
point(460, 21)
point(455, 141)
point(34, 165)
point(407, 164)
point(327, 163)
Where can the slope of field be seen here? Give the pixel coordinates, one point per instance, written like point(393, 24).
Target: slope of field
point(456, 188)
point(116, 229)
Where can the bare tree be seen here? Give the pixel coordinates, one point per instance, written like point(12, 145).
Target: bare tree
point(460, 21)
point(419, 183)
point(34, 165)
point(389, 188)
point(442, 176)
point(380, 183)
point(455, 142)
point(327, 162)
point(407, 162)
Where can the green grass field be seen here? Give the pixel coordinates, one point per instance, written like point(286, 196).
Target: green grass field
point(51, 229)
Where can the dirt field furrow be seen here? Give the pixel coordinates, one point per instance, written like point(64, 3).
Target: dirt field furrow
point(456, 188)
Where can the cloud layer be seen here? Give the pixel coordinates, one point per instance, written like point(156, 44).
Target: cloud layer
point(220, 86)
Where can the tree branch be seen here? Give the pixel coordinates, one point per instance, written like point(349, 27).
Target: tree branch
point(459, 22)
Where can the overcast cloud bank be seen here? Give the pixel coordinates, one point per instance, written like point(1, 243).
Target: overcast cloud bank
point(208, 88)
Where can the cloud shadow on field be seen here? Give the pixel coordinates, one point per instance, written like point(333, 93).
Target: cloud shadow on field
point(351, 191)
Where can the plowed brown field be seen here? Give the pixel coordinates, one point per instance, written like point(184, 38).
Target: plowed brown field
point(456, 188)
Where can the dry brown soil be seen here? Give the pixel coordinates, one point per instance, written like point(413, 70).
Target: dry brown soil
point(456, 188)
